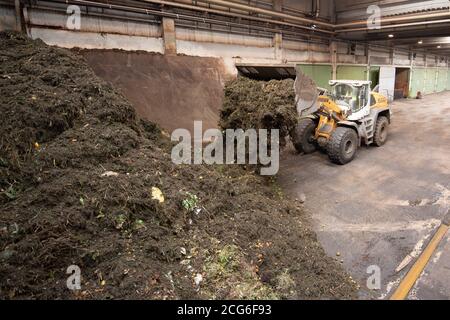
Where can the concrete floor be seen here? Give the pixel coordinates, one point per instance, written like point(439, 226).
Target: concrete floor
point(387, 203)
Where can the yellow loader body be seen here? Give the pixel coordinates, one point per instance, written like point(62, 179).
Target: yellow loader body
point(330, 114)
point(340, 121)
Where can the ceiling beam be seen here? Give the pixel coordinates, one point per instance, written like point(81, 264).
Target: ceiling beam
point(408, 36)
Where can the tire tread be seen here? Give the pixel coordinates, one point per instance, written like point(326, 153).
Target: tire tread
point(299, 132)
point(376, 138)
point(334, 145)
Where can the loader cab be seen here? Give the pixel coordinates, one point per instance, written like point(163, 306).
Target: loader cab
point(351, 96)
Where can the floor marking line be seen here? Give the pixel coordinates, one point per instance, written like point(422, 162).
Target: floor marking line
point(416, 270)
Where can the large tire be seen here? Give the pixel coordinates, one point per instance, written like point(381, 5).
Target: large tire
point(381, 131)
point(343, 145)
point(303, 135)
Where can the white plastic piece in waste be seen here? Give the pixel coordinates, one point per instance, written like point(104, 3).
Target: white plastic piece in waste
point(109, 174)
point(198, 279)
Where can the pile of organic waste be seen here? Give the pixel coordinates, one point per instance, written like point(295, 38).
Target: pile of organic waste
point(85, 182)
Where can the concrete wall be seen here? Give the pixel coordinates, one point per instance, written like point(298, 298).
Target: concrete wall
point(7, 18)
point(110, 33)
point(290, 6)
point(346, 60)
point(91, 40)
point(326, 7)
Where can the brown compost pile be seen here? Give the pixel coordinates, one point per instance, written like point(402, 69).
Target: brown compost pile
point(253, 104)
point(84, 182)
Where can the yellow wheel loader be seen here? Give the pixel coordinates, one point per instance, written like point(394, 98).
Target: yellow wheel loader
point(339, 121)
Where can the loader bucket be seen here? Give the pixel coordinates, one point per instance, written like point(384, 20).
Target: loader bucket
point(306, 94)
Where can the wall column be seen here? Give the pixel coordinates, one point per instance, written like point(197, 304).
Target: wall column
point(169, 37)
point(278, 44)
point(278, 38)
point(425, 78)
point(333, 55)
point(20, 26)
point(392, 55)
point(367, 53)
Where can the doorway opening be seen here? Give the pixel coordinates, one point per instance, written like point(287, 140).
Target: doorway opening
point(401, 90)
point(267, 73)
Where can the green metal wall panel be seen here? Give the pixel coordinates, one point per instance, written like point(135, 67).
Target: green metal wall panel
point(430, 81)
point(448, 79)
point(442, 80)
point(374, 76)
point(351, 73)
point(417, 81)
point(320, 73)
point(422, 79)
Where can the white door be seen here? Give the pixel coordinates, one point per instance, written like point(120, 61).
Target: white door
point(387, 82)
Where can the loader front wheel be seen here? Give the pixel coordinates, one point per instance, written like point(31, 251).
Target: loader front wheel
point(303, 136)
point(381, 131)
point(343, 145)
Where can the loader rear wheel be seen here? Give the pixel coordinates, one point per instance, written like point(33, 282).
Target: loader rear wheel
point(343, 145)
point(381, 131)
point(303, 136)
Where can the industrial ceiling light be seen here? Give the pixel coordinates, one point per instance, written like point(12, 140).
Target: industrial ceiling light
point(391, 36)
point(420, 42)
point(439, 47)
